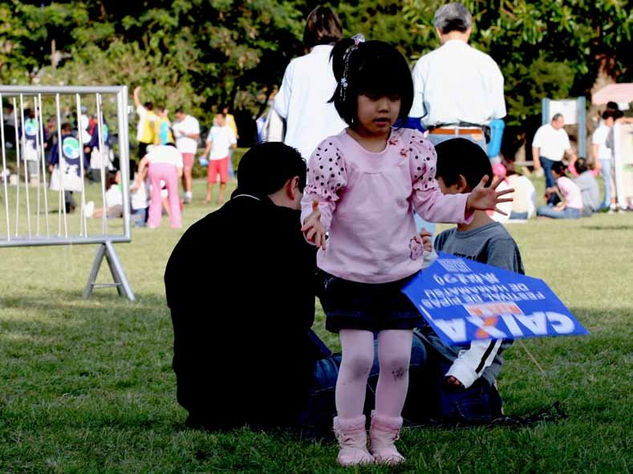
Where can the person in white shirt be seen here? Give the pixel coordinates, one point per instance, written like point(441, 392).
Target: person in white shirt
point(308, 85)
point(163, 163)
point(457, 89)
point(186, 130)
point(603, 158)
point(549, 145)
point(220, 141)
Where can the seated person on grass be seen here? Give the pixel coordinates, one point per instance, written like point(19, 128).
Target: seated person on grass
point(565, 198)
point(589, 189)
point(465, 377)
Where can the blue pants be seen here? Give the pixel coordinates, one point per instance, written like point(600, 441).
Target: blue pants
point(546, 163)
point(567, 213)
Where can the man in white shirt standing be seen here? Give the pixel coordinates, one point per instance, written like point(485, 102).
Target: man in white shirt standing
point(458, 90)
point(186, 130)
point(308, 85)
point(549, 145)
point(220, 141)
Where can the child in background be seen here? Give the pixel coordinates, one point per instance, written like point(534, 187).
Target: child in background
point(468, 372)
point(523, 197)
point(570, 205)
point(589, 189)
point(139, 201)
point(363, 185)
point(113, 199)
point(220, 141)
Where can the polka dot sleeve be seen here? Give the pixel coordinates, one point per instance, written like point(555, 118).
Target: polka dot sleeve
point(427, 198)
point(327, 178)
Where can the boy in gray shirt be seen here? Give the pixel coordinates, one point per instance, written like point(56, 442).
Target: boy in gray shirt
point(467, 375)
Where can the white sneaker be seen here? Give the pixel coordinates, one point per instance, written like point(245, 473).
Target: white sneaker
point(89, 209)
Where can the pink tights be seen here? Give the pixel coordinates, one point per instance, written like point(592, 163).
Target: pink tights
point(394, 353)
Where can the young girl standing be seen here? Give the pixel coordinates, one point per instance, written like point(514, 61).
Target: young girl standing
point(363, 185)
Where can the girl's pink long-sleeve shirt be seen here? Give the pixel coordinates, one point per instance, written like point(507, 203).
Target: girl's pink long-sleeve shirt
point(367, 199)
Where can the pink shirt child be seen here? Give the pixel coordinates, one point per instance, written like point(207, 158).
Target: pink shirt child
point(570, 191)
point(367, 199)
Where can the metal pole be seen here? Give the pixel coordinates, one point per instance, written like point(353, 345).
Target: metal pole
point(124, 156)
point(104, 217)
point(83, 227)
point(26, 170)
point(17, 159)
point(5, 176)
point(61, 165)
point(39, 148)
point(41, 133)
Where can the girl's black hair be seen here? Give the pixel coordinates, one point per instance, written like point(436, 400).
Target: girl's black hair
point(560, 168)
point(373, 68)
point(459, 156)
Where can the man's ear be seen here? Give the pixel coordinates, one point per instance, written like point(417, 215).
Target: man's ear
point(291, 188)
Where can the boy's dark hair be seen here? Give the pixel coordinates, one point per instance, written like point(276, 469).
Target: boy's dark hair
point(459, 156)
point(322, 27)
point(219, 112)
point(149, 105)
point(265, 168)
point(66, 127)
point(160, 108)
point(372, 68)
point(581, 165)
point(30, 113)
point(612, 105)
point(179, 111)
point(559, 168)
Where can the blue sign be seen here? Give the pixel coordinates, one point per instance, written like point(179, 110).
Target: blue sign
point(466, 301)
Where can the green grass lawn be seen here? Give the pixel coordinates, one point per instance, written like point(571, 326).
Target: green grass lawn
point(87, 385)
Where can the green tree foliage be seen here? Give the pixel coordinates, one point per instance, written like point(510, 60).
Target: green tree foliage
point(199, 53)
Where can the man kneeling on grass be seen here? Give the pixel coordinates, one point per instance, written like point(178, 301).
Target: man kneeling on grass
point(241, 288)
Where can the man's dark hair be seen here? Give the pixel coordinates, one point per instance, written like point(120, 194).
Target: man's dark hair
point(66, 127)
point(559, 168)
point(556, 117)
point(30, 113)
point(149, 105)
point(452, 17)
point(265, 168)
point(179, 111)
point(373, 68)
point(459, 156)
point(322, 27)
point(581, 165)
point(612, 105)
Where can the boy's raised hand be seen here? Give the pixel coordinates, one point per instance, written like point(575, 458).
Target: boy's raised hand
point(482, 198)
point(313, 229)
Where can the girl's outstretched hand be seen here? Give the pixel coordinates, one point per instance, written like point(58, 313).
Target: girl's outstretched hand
point(482, 198)
point(313, 229)
point(427, 244)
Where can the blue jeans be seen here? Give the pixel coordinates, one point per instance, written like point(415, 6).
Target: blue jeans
point(606, 176)
point(139, 217)
point(546, 163)
point(436, 139)
point(316, 418)
point(567, 213)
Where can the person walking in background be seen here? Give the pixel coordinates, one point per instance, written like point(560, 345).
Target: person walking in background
point(145, 129)
point(565, 197)
point(549, 146)
point(458, 90)
point(163, 163)
point(303, 100)
point(220, 142)
point(187, 132)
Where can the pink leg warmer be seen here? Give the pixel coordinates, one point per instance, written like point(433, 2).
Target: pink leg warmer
point(394, 353)
point(357, 348)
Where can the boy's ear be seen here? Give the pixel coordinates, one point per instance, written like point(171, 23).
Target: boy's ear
point(462, 184)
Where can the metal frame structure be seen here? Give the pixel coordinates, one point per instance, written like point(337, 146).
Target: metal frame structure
point(104, 240)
